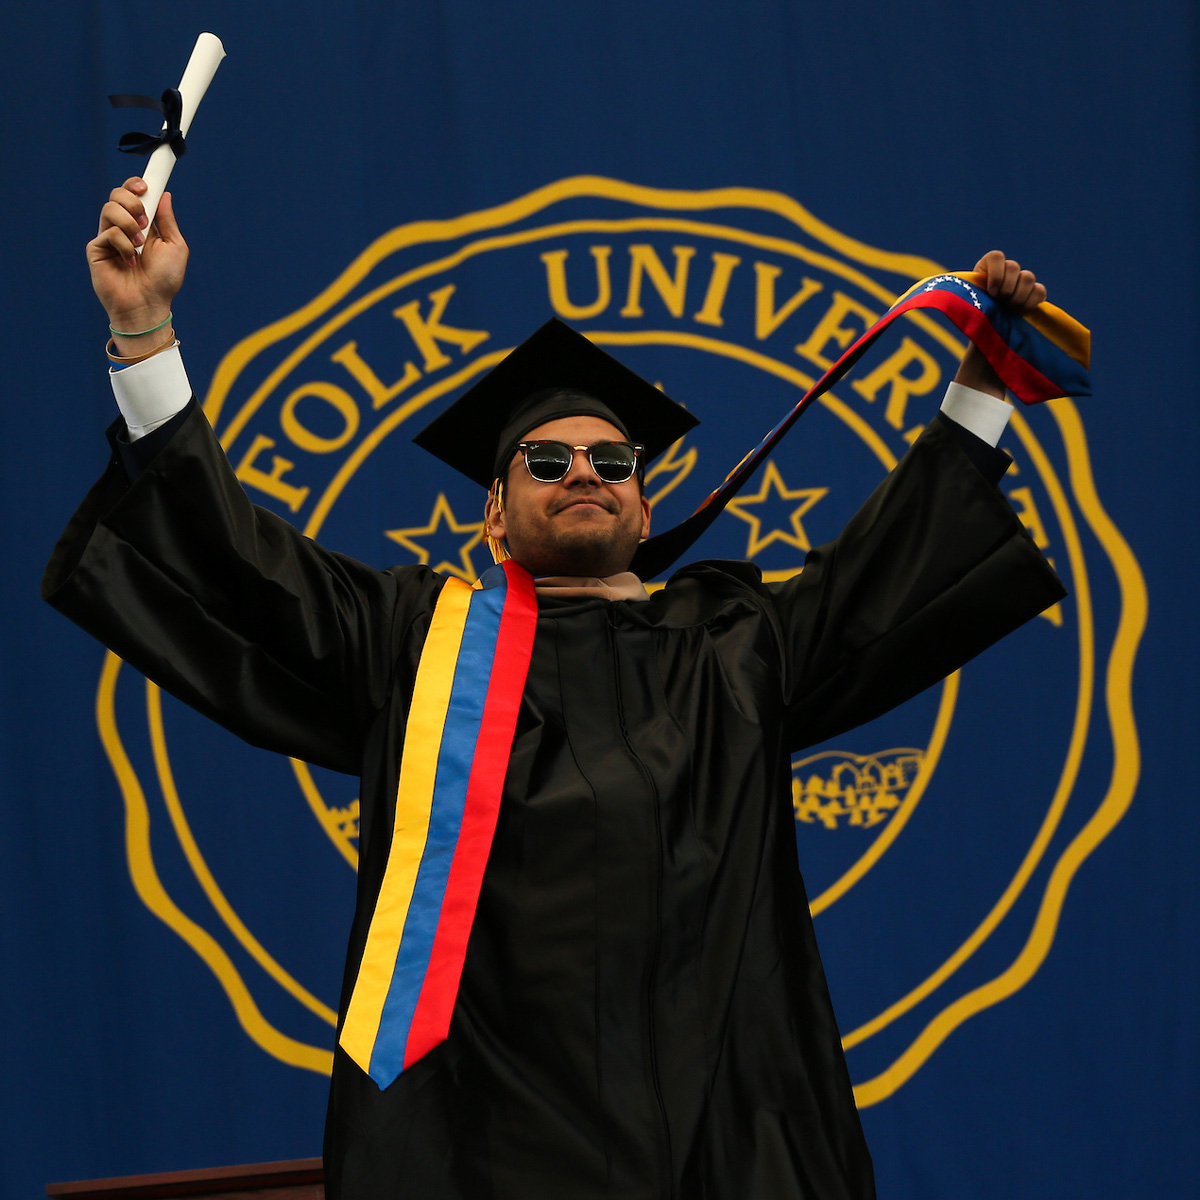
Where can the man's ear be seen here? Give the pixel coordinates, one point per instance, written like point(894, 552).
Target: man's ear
point(493, 514)
point(645, 517)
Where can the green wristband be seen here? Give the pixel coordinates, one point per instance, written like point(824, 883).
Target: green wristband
point(142, 332)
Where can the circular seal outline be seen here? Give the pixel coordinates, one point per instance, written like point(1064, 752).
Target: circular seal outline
point(1118, 672)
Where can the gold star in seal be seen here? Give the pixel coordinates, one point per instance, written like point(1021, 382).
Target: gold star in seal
point(772, 481)
point(443, 514)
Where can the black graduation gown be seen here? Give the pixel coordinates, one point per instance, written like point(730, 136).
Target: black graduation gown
point(643, 1011)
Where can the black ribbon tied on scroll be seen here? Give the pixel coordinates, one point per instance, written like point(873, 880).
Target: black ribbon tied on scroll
point(171, 107)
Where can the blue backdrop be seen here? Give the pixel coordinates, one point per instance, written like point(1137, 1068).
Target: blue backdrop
point(378, 198)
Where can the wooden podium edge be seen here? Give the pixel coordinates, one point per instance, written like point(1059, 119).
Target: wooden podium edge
point(214, 1181)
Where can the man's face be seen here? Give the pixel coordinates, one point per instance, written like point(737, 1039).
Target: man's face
point(578, 526)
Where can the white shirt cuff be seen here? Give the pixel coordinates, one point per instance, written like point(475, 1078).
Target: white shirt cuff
point(985, 416)
point(150, 393)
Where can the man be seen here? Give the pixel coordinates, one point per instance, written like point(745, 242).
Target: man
point(642, 1010)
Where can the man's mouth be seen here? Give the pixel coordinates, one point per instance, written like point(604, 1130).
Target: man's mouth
point(590, 502)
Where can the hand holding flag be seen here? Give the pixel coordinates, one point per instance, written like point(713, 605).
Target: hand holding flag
point(1019, 341)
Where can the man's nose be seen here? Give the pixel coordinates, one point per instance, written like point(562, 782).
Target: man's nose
point(581, 470)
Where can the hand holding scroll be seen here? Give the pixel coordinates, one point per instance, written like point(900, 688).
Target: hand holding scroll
point(138, 256)
point(137, 290)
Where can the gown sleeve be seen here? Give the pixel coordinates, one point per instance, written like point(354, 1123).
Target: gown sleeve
point(932, 570)
point(229, 608)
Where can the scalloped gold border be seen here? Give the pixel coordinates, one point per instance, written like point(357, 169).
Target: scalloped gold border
point(1119, 667)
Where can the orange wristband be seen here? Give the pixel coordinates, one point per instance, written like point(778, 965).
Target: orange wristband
point(137, 358)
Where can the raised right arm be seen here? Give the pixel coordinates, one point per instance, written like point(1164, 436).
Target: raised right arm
point(222, 603)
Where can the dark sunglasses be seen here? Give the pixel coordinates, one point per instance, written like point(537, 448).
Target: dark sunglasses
point(548, 462)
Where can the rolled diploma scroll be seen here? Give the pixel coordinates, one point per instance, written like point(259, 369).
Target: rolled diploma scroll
point(202, 66)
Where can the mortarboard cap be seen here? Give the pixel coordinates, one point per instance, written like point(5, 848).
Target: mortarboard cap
point(554, 373)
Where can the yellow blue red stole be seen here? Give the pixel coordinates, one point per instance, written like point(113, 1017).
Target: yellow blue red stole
point(456, 749)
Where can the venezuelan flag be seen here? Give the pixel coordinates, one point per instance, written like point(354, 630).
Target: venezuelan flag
point(1039, 356)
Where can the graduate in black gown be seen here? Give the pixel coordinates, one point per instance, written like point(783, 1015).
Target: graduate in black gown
point(642, 1010)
